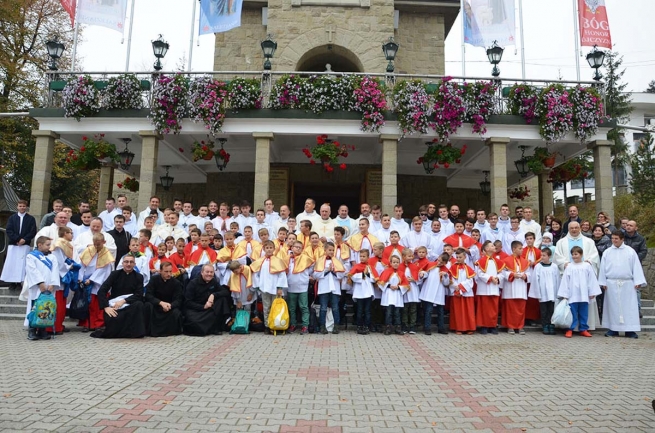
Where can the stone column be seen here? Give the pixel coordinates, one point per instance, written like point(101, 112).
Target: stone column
point(389, 172)
point(148, 176)
point(262, 166)
point(498, 170)
point(603, 176)
point(545, 196)
point(42, 174)
point(106, 186)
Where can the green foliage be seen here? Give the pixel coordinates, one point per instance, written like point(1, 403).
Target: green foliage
point(628, 206)
point(642, 180)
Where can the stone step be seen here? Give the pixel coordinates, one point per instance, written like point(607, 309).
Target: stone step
point(647, 303)
point(9, 316)
point(12, 309)
point(11, 299)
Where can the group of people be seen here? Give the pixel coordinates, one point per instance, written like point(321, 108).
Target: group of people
point(169, 272)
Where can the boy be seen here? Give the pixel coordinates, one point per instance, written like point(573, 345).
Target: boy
point(270, 278)
point(154, 264)
point(462, 314)
point(238, 278)
point(417, 237)
point(362, 240)
point(217, 242)
point(411, 296)
point(393, 249)
point(362, 279)
point(393, 284)
point(248, 243)
point(179, 262)
point(170, 247)
point(281, 238)
point(140, 261)
point(130, 224)
point(579, 285)
point(422, 258)
point(532, 255)
point(513, 234)
point(544, 288)
point(145, 246)
point(384, 232)
point(202, 256)
point(193, 244)
point(433, 293)
point(477, 251)
point(460, 240)
point(291, 223)
point(515, 289)
point(328, 272)
point(492, 232)
point(437, 235)
point(234, 228)
point(489, 272)
point(63, 250)
point(342, 252)
point(260, 224)
point(315, 249)
point(229, 252)
point(301, 267)
point(258, 251)
point(500, 254)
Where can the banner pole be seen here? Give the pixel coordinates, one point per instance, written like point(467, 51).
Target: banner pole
point(77, 29)
point(522, 39)
point(463, 36)
point(129, 38)
point(577, 40)
point(193, 28)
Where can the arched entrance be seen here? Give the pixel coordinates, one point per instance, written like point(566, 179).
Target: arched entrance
point(340, 59)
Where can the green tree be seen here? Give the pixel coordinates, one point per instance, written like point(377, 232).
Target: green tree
point(617, 107)
point(25, 27)
point(643, 171)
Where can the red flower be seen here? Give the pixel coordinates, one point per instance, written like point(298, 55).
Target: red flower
point(102, 135)
point(458, 161)
point(324, 136)
point(205, 148)
point(311, 161)
point(446, 165)
point(439, 152)
point(352, 148)
point(336, 144)
point(329, 169)
point(120, 185)
point(180, 149)
point(436, 166)
point(342, 166)
point(82, 149)
point(420, 160)
point(344, 154)
point(84, 138)
point(462, 152)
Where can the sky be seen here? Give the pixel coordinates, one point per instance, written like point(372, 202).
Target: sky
point(548, 26)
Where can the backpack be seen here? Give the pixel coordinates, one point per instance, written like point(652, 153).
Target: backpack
point(278, 317)
point(43, 311)
point(241, 322)
point(79, 306)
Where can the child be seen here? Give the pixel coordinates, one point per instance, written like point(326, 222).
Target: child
point(66, 255)
point(270, 278)
point(393, 284)
point(532, 255)
point(281, 238)
point(489, 277)
point(462, 315)
point(300, 268)
point(258, 251)
point(515, 290)
point(315, 249)
point(170, 246)
point(229, 252)
point(492, 233)
point(328, 272)
point(217, 243)
point(291, 223)
point(179, 262)
point(260, 224)
point(393, 249)
point(547, 242)
point(203, 255)
point(433, 292)
point(476, 252)
point(578, 286)
point(248, 243)
point(154, 264)
point(362, 279)
point(193, 243)
point(422, 258)
point(140, 261)
point(145, 247)
point(238, 278)
point(411, 296)
point(234, 228)
point(342, 252)
point(544, 288)
point(375, 261)
point(500, 254)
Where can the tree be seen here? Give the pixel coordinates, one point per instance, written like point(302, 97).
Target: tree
point(643, 172)
point(25, 27)
point(617, 107)
point(651, 87)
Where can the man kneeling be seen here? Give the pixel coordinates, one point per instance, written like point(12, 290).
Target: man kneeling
point(121, 298)
point(206, 304)
point(164, 299)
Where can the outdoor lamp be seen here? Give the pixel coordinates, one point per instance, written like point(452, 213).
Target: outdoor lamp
point(221, 161)
point(595, 58)
point(495, 55)
point(522, 164)
point(126, 157)
point(159, 48)
point(390, 49)
point(55, 50)
point(166, 181)
point(485, 185)
point(268, 48)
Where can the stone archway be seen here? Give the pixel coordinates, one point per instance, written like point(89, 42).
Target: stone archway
point(340, 59)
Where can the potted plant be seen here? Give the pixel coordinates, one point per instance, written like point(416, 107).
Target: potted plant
point(328, 152)
point(440, 154)
point(542, 160)
point(203, 150)
point(94, 153)
point(130, 184)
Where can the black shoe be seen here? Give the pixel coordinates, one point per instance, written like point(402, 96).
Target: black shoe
point(324, 330)
point(32, 335)
point(335, 330)
point(442, 331)
point(494, 331)
point(43, 335)
point(360, 330)
point(366, 330)
point(427, 332)
point(399, 331)
point(66, 329)
point(387, 330)
point(483, 331)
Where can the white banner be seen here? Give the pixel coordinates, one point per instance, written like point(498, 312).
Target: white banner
point(486, 21)
point(105, 13)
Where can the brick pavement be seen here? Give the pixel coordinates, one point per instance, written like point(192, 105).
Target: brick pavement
point(334, 383)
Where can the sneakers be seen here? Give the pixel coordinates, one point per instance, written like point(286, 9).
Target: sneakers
point(494, 331)
point(521, 331)
point(546, 330)
point(569, 334)
point(366, 331)
point(291, 329)
point(510, 331)
point(360, 330)
point(399, 331)
point(412, 330)
point(551, 330)
point(585, 334)
point(43, 334)
point(31, 334)
point(304, 330)
point(611, 334)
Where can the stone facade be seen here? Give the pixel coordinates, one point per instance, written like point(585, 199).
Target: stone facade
point(649, 271)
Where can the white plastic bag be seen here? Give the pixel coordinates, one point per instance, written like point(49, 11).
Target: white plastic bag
point(562, 316)
point(329, 318)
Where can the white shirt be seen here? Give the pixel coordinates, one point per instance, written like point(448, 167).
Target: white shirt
point(534, 227)
point(108, 218)
point(400, 225)
point(270, 218)
point(186, 220)
point(313, 217)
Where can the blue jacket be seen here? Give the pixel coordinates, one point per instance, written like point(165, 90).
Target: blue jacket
point(15, 232)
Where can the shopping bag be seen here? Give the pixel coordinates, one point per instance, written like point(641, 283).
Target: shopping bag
point(43, 312)
point(79, 307)
point(278, 317)
point(241, 322)
point(562, 316)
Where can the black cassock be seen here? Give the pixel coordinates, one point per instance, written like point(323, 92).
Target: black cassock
point(158, 322)
point(129, 322)
point(198, 320)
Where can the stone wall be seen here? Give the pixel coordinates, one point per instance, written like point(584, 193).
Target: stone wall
point(421, 39)
point(649, 271)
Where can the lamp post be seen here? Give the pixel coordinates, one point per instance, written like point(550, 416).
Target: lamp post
point(390, 49)
point(268, 48)
point(596, 58)
point(166, 181)
point(495, 55)
point(126, 157)
point(55, 50)
point(159, 48)
point(485, 185)
point(522, 164)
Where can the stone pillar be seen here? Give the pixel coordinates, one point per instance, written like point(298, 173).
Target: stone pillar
point(389, 172)
point(603, 176)
point(106, 186)
point(148, 176)
point(545, 197)
point(498, 170)
point(42, 174)
point(262, 166)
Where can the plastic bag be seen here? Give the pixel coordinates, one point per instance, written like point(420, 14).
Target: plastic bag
point(329, 318)
point(278, 317)
point(562, 316)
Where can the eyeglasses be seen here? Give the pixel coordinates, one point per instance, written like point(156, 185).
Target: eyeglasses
point(423, 214)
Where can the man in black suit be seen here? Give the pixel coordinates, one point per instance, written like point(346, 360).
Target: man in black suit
point(21, 229)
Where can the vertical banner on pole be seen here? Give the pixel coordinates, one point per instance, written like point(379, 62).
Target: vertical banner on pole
point(593, 23)
point(110, 14)
point(486, 21)
point(218, 16)
point(70, 6)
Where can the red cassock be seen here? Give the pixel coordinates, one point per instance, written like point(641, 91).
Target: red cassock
point(462, 309)
point(486, 313)
point(513, 314)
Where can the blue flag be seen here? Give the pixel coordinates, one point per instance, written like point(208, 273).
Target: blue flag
point(218, 16)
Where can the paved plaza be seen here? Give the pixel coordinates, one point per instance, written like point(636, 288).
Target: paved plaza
point(332, 383)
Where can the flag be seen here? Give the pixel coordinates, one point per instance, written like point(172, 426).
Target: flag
point(486, 21)
point(105, 13)
point(69, 6)
point(218, 16)
point(594, 26)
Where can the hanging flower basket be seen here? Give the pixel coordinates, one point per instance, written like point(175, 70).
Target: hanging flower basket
point(328, 152)
point(519, 193)
point(169, 103)
point(587, 110)
point(440, 154)
point(371, 101)
point(449, 109)
point(94, 153)
point(541, 160)
point(207, 100)
point(130, 184)
point(413, 106)
point(245, 94)
point(222, 157)
point(566, 173)
point(123, 93)
point(480, 104)
point(555, 111)
point(203, 150)
point(81, 98)
point(522, 101)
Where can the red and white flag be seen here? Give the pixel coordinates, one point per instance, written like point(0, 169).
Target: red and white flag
point(69, 6)
point(594, 26)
